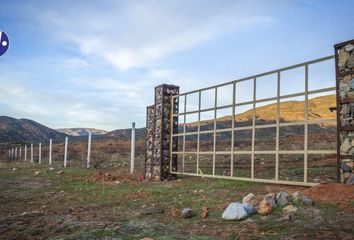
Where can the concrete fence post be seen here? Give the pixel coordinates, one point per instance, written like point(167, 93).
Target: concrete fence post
point(40, 153)
point(132, 153)
point(25, 153)
point(9, 154)
point(50, 152)
point(66, 151)
point(89, 150)
point(15, 153)
point(31, 152)
point(20, 154)
point(12, 153)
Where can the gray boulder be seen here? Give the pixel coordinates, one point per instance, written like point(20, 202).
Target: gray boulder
point(187, 213)
point(283, 199)
point(237, 211)
point(270, 198)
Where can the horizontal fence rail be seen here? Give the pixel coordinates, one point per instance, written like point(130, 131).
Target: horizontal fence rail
point(195, 132)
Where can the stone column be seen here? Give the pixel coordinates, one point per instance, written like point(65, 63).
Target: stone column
point(159, 119)
point(344, 53)
point(150, 126)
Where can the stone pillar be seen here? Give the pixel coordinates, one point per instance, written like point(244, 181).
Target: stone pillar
point(344, 55)
point(150, 126)
point(159, 119)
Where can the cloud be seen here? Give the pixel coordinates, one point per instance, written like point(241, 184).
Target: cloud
point(138, 34)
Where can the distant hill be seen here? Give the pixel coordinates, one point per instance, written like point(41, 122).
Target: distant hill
point(124, 134)
point(25, 130)
point(76, 132)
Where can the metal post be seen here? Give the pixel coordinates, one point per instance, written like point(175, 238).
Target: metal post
point(132, 154)
point(31, 153)
point(50, 152)
point(25, 153)
point(65, 151)
point(89, 150)
point(40, 153)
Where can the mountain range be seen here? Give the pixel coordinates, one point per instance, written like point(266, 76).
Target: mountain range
point(25, 130)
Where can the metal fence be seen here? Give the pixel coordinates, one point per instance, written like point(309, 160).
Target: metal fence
point(261, 128)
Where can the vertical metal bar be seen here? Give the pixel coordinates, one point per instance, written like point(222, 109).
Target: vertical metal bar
point(132, 153)
point(184, 131)
point(50, 151)
point(31, 152)
point(277, 129)
point(214, 146)
point(40, 153)
point(253, 126)
point(65, 151)
point(233, 127)
point(306, 123)
point(25, 153)
point(198, 138)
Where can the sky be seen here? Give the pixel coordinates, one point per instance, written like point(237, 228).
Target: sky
point(96, 63)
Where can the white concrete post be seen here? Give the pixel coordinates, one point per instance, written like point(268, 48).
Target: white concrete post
point(25, 153)
point(132, 154)
point(40, 153)
point(65, 151)
point(15, 153)
point(31, 153)
point(12, 153)
point(89, 150)
point(20, 154)
point(9, 154)
point(50, 152)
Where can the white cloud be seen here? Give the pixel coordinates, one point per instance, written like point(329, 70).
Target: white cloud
point(134, 34)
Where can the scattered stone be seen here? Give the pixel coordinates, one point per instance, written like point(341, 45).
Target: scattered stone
point(264, 218)
point(307, 201)
point(270, 197)
point(350, 62)
point(342, 59)
point(283, 199)
point(14, 169)
point(146, 238)
point(204, 212)
point(37, 173)
point(51, 169)
point(350, 165)
point(249, 220)
point(175, 213)
point(250, 199)
point(179, 180)
point(187, 213)
point(236, 211)
point(289, 209)
point(289, 216)
point(154, 211)
point(60, 172)
point(264, 208)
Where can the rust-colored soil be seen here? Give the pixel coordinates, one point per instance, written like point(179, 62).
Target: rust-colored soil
point(334, 193)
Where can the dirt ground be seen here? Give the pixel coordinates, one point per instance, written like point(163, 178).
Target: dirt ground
point(38, 203)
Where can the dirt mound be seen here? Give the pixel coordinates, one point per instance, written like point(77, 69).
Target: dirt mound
point(112, 177)
point(334, 193)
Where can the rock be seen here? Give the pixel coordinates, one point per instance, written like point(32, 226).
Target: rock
point(288, 217)
point(14, 169)
point(51, 169)
point(249, 208)
point(289, 209)
point(342, 59)
point(250, 199)
point(346, 146)
point(350, 165)
point(264, 208)
point(187, 213)
point(296, 197)
point(37, 173)
point(235, 211)
point(348, 48)
point(146, 238)
point(345, 167)
point(60, 172)
point(350, 63)
point(306, 200)
point(350, 180)
point(283, 199)
point(270, 197)
point(204, 212)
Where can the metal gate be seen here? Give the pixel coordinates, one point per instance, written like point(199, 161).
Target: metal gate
point(274, 127)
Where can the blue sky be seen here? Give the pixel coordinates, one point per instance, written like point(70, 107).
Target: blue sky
point(96, 63)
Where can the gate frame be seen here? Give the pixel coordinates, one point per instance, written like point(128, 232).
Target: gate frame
point(277, 125)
